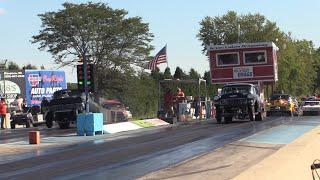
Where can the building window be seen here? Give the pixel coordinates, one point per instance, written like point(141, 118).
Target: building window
point(227, 59)
point(255, 57)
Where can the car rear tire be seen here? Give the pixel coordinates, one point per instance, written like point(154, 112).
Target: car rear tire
point(29, 124)
point(252, 113)
point(259, 117)
point(65, 125)
point(269, 113)
point(12, 125)
point(49, 123)
point(49, 120)
point(218, 116)
point(227, 120)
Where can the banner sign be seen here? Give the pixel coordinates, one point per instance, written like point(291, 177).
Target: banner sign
point(242, 72)
point(15, 85)
point(43, 83)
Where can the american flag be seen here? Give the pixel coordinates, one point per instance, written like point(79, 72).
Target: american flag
point(161, 57)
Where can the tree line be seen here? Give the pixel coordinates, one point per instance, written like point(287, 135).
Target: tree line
point(12, 66)
point(120, 46)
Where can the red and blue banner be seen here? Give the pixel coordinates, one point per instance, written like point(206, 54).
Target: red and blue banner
point(43, 83)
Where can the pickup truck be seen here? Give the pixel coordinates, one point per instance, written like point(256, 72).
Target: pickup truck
point(64, 108)
point(239, 101)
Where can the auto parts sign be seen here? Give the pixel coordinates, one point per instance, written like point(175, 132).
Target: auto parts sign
point(43, 83)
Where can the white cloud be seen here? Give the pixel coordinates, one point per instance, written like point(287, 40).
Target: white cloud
point(2, 11)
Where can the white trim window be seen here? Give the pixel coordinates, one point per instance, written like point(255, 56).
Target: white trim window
point(255, 57)
point(227, 59)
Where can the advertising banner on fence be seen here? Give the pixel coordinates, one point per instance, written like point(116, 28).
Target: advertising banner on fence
point(14, 83)
point(43, 83)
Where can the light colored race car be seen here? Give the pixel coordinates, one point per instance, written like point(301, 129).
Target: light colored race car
point(311, 107)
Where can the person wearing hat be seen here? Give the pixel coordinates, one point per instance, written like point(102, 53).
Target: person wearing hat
point(3, 111)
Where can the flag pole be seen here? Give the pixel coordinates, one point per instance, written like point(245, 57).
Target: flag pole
point(167, 56)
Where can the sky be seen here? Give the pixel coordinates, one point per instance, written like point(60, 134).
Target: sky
point(173, 22)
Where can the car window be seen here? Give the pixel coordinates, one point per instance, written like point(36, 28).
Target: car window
point(279, 96)
point(236, 89)
point(312, 103)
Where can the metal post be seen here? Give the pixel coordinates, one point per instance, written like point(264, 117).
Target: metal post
point(85, 65)
point(159, 91)
point(3, 67)
point(239, 32)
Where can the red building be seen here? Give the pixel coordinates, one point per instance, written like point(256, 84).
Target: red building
point(245, 62)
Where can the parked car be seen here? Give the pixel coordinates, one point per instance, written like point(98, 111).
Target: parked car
point(121, 112)
point(281, 103)
point(30, 117)
point(311, 107)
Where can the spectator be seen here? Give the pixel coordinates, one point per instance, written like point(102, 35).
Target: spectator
point(179, 95)
point(168, 102)
point(17, 103)
point(3, 111)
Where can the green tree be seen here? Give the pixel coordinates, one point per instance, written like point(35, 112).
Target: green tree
point(29, 66)
point(193, 74)
point(179, 74)
point(12, 66)
point(140, 94)
point(167, 73)
point(105, 36)
point(157, 75)
point(224, 29)
point(298, 61)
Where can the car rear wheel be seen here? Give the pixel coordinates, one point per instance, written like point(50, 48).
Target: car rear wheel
point(218, 116)
point(252, 113)
point(12, 125)
point(65, 125)
point(29, 124)
point(259, 117)
point(227, 120)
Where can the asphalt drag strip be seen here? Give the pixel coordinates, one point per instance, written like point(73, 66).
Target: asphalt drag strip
point(133, 156)
point(234, 158)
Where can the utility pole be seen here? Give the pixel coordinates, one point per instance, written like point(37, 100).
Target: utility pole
point(239, 32)
point(2, 68)
point(86, 90)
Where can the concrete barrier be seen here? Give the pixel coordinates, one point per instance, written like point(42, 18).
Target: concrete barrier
point(133, 125)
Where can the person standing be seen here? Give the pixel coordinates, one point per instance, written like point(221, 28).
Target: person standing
point(3, 111)
point(179, 97)
point(168, 103)
point(17, 103)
